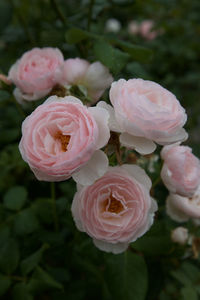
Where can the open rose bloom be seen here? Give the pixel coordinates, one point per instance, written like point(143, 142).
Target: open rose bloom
point(94, 77)
point(181, 170)
point(146, 113)
point(146, 30)
point(181, 209)
point(117, 209)
point(36, 73)
point(62, 137)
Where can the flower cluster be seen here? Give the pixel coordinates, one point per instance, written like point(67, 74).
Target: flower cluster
point(145, 29)
point(64, 138)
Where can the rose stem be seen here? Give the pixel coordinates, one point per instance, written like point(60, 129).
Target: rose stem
point(54, 210)
point(59, 12)
point(90, 14)
point(18, 106)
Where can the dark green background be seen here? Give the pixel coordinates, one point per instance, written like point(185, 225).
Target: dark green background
point(38, 261)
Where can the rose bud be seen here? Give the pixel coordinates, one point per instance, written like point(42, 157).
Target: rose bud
point(62, 138)
point(181, 170)
point(181, 209)
point(36, 73)
point(146, 113)
point(117, 209)
point(180, 235)
point(94, 77)
point(146, 30)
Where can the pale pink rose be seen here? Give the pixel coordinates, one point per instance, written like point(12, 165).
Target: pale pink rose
point(133, 27)
point(181, 208)
point(180, 235)
point(62, 138)
point(117, 209)
point(146, 30)
point(36, 73)
point(94, 77)
point(113, 25)
point(181, 170)
point(146, 113)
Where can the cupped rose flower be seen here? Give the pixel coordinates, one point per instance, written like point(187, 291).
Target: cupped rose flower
point(95, 77)
point(180, 235)
point(113, 25)
point(117, 209)
point(146, 113)
point(62, 138)
point(181, 209)
point(36, 73)
point(181, 170)
point(146, 30)
point(133, 27)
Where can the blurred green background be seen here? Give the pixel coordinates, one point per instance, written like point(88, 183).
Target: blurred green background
point(39, 260)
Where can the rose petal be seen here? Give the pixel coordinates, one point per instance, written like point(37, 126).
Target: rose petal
point(174, 212)
point(108, 247)
point(94, 169)
point(101, 117)
point(113, 124)
point(140, 144)
point(139, 174)
point(180, 136)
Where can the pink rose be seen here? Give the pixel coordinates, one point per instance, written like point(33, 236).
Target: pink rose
point(133, 27)
point(94, 77)
point(146, 30)
point(146, 113)
point(62, 138)
point(117, 209)
point(181, 170)
point(180, 235)
point(36, 73)
point(181, 209)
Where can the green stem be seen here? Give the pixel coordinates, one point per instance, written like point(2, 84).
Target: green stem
point(90, 14)
point(17, 278)
point(54, 210)
point(18, 106)
point(23, 23)
point(156, 182)
point(58, 11)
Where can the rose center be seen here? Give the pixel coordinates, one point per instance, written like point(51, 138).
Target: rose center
point(64, 140)
point(113, 205)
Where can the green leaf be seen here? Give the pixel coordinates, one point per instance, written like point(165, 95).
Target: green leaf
point(20, 292)
point(111, 57)
point(15, 198)
point(191, 271)
point(9, 256)
point(4, 96)
point(126, 276)
point(5, 13)
point(138, 53)
point(157, 245)
point(29, 263)
point(9, 135)
point(181, 277)
point(4, 234)
point(42, 207)
point(75, 35)
point(41, 280)
point(189, 292)
point(5, 283)
point(25, 222)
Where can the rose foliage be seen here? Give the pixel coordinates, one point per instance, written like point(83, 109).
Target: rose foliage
point(100, 175)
